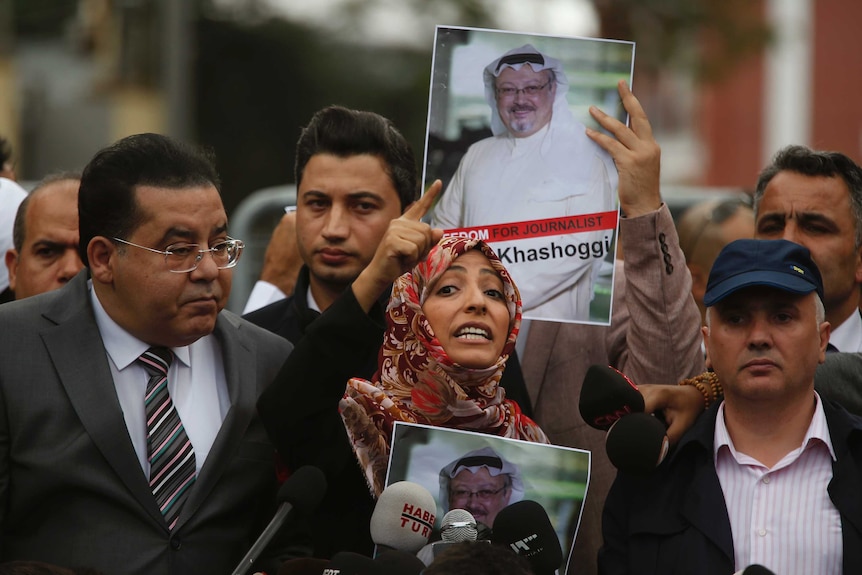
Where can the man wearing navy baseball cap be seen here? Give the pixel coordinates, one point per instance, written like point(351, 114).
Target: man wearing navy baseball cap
point(770, 475)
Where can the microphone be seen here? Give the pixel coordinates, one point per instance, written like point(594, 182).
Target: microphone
point(396, 562)
point(349, 563)
point(637, 443)
point(458, 525)
point(607, 395)
point(755, 570)
point(303, 566)
point(524, 527)
point(303, 489)
point(403, 517)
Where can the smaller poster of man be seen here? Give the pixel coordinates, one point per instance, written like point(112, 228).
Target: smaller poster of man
point(485, 474)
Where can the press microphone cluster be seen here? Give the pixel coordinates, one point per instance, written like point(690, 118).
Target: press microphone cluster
point(302, 491)
point(391, 562)
point(636, 442)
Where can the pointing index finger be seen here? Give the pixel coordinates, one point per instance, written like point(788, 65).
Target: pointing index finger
point(420, 207)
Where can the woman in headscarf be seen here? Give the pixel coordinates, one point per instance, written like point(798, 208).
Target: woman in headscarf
point(451, 324)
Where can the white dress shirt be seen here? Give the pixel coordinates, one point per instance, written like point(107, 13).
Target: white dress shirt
point(196, 384)
point(847, 337)
point(262, 294)
point(782, 518)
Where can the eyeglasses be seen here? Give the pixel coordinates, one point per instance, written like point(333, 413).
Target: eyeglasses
point(182, 258)
point(509, 92)
point(481, 495)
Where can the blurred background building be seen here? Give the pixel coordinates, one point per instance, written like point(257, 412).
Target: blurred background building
point(725, 82)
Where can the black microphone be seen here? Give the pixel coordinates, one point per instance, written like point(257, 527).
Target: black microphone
point(525, 528)
point(395, 562)
point(349, 563)
point(606, 395)
point(755, 570)
point(303, 489)
point(637, 443)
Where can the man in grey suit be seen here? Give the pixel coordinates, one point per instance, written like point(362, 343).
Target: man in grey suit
point(92, 472)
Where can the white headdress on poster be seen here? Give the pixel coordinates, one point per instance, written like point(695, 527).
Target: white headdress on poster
point(515, 58)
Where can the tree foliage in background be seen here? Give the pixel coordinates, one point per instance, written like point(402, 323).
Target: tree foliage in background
point(705, 38)
point(258, 83)
point(42, 17)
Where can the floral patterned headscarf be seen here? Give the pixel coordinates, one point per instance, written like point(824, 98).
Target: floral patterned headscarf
point(417, 381)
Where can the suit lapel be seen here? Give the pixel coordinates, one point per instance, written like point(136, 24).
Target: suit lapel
point(240, 369)
point(78, 354)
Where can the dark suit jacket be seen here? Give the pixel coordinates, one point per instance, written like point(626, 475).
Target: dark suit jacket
point(72, 491)
point(675, 520)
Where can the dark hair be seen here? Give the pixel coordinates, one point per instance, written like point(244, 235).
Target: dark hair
point(478, 558)
point(343, 132)
point(808, 162)
point(106, 198)
point(19, 227)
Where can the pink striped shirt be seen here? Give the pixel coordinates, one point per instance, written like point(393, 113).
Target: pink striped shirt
point(782, 518)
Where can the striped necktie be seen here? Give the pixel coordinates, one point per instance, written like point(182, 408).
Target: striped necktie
point(171, 455)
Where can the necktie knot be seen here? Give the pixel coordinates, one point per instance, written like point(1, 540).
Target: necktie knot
point(157, 360)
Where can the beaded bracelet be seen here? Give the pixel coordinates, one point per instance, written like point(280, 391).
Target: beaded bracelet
point(707, 384)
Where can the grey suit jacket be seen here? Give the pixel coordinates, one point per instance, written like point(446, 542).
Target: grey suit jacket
point(72, 491)
point(654, 337)
point(840, 379)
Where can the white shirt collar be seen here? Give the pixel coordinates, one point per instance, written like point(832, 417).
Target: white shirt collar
point(818, 430)
point(847, 337)
point(312, 304)
point(122, 347)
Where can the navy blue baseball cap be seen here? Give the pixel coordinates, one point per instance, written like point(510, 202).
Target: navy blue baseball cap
point(776, 263)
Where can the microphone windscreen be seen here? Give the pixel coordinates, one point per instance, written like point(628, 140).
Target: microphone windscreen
point(396, 562)
point(637, 443)
point(524, 526)
point(607, 395)
point(303, 566)
point(403, 517)
point(304, 489)
point(756, 570)
point(458, 525)
point(349, 563)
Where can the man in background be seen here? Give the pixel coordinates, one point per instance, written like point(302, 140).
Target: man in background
point(45, 236)
point(704, 229)
point(814, 198)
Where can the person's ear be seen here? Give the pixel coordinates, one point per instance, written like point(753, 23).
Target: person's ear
point(102, 256)
point(705, 332)
point(12, 267)
point(699, 278)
